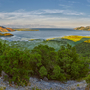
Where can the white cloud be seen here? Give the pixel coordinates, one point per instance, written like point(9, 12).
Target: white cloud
point(64, 6)
point(37, 13)
point(38, 18)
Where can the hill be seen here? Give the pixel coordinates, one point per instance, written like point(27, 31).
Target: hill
point(6, 29)
point(87, 28)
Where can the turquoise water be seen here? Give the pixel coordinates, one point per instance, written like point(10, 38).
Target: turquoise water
point(44, 33)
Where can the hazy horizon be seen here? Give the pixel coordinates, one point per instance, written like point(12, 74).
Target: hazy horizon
point(44, 13)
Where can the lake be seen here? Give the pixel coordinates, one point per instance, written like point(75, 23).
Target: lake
point(44, 33)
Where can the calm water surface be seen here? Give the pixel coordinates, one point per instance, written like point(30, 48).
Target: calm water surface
point(45, 33)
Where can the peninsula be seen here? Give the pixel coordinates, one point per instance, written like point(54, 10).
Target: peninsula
point(6, 29)
point(87, 28)
point(25, 29)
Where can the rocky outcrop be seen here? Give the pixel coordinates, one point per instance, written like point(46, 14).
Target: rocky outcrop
point(87, 28)
point(5, 29)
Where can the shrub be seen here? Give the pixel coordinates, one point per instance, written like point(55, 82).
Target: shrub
point(56, 72)
point(73, 67)
point(49, 58)
point(43, 71)
point(88, 79)
point(42, 61)
point(35, 63)
point(15, 63)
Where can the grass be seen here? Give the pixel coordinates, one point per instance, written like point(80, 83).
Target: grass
point(87, 41)
point(75, 38)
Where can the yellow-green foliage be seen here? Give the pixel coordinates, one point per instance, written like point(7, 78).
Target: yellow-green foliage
point(50, 39)
point(75, 38)
point(31, 39)
point(87, 41)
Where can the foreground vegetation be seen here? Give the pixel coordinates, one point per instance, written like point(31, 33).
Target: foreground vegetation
point(42, 61)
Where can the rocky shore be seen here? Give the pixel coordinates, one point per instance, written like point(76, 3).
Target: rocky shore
point(44, 84)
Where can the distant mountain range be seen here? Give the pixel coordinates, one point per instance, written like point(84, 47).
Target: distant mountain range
point(5, 29)
point(87, 28)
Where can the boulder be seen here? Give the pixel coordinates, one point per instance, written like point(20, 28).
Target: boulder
point(3, 75)
point(45, 79)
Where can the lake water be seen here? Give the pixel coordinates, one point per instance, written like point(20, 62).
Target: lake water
point(44, 33)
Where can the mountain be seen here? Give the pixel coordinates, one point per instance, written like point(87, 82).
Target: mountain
point(6, 29)
point(87, 28)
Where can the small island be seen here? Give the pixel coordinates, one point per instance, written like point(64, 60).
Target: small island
point(87, 28)
point(6, 34)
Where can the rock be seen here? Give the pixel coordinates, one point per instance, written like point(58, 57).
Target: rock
point(45, 79)
point(3, 74)
point(41, 80)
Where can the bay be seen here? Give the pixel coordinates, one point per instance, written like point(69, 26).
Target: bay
point(44, 33)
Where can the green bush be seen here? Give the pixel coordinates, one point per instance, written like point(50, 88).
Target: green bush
point(42, 61)
point(35, 63)
point(49, 58)
point(72, 66)
point(15, 63)
point(88, 79)
point(43, 71)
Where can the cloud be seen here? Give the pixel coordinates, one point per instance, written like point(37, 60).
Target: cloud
point(38, 13)
point(64, 6)
point(38, 18)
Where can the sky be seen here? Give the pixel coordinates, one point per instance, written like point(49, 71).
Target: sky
point(44, 13)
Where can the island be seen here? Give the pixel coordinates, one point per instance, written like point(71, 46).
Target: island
point(87, 28)
point(6, 34)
